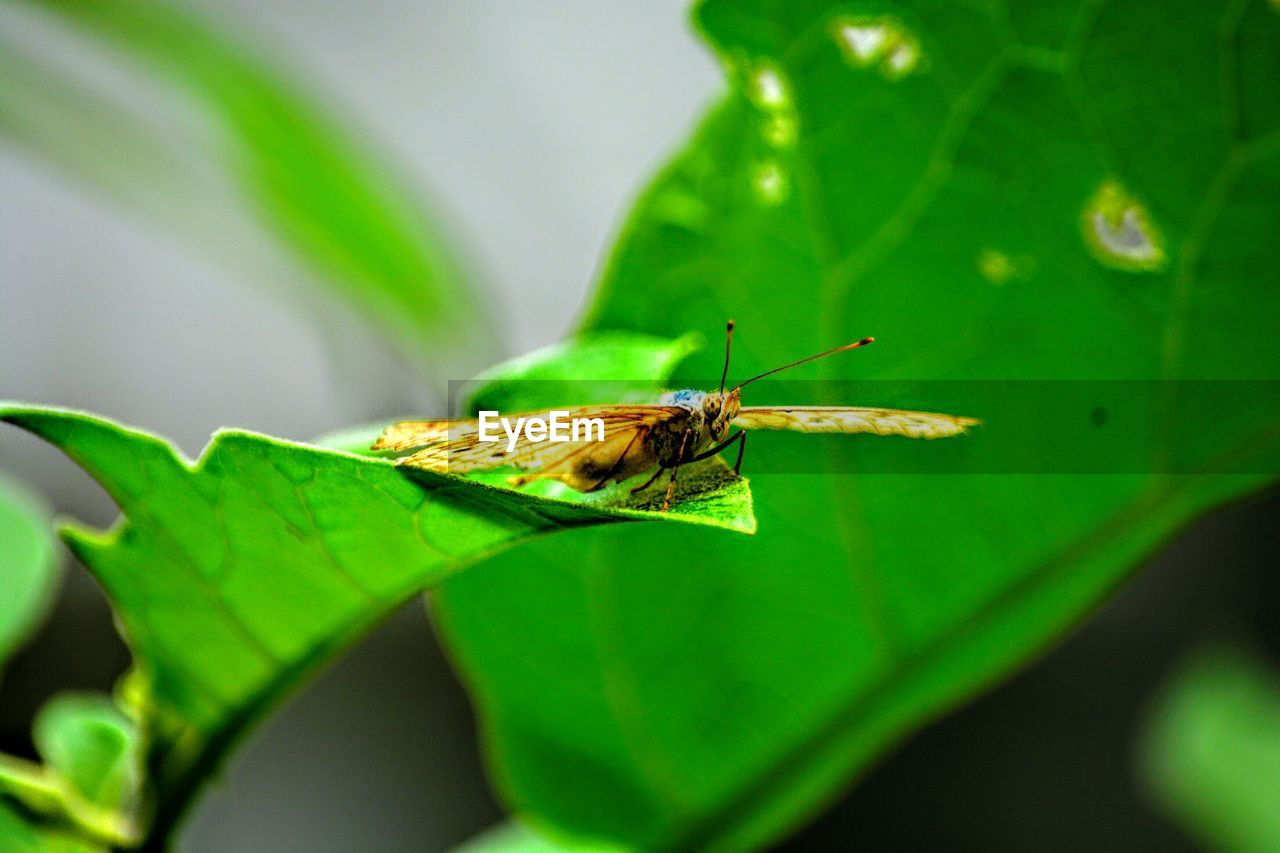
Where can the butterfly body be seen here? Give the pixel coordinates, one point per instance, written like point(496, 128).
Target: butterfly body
point(705, 421)
point(685, 426)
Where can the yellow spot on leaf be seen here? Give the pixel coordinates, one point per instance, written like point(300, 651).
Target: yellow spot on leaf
point(996, 266)
point(780, 130)
point(999, 267)
point(768, 90)
point(770, 182)
point(902, 59)
point(682, 209)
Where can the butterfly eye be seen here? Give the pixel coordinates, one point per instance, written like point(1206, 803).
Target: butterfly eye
point(710, 405)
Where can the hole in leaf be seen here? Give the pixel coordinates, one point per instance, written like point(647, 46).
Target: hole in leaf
point(878, 41)
point(1120, 232)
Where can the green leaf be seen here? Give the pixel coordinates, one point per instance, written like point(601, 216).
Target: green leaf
point(585, 370)
point(236, 576)
point(28, 564)
point(515, 837)
point(995, 191)
point(1211, 751)
point(53, 114)
point(349, 220)
point(23, 835)
point(85, 738)
point(90, 782)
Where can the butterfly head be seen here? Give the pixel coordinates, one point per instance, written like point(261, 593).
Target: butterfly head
point(719, 410)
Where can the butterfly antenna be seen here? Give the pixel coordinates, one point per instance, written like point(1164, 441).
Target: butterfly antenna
point(854, 345)
point(728, 341)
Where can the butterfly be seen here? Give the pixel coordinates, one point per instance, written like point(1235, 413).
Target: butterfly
point(685, 426)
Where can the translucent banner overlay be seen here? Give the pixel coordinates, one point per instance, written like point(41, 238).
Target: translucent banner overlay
point(1028, 426)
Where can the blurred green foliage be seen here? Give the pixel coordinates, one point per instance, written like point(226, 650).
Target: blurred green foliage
point(297, 172)
point(87, 781)
point(515, 837)
point(1021, 190)
point(89, 784)
point(93, 745)
point(1211, 751)
point(28, 564)
point(22, 836)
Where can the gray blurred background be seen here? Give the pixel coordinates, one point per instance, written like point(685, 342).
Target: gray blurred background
point(533, 124)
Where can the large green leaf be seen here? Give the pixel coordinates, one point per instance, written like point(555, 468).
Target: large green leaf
point(236, 576)
point(1032, 190)
point(352, 222)
point(28, 564)
point(1211, 751)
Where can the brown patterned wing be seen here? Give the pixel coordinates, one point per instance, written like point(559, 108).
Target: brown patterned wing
point(850, 419)
point(407, 435)
point(454, 446)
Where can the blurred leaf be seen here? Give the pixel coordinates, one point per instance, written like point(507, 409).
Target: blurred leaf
point(585, 370)
point(346, 217)
point(84, 133)
point(28, 564)
point(1211, 751)
point(89, 783)
point(22, 835)
point(236, 576)
point(996, 192)
point(85, 738)
point(28, 578)
point(515, 837)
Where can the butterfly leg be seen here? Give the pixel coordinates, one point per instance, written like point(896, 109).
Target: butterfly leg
point(740, 436)
point(671, 484)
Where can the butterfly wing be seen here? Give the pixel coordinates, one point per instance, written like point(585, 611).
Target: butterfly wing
point(586, 464)
point(407, 435)
point(851, 419)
